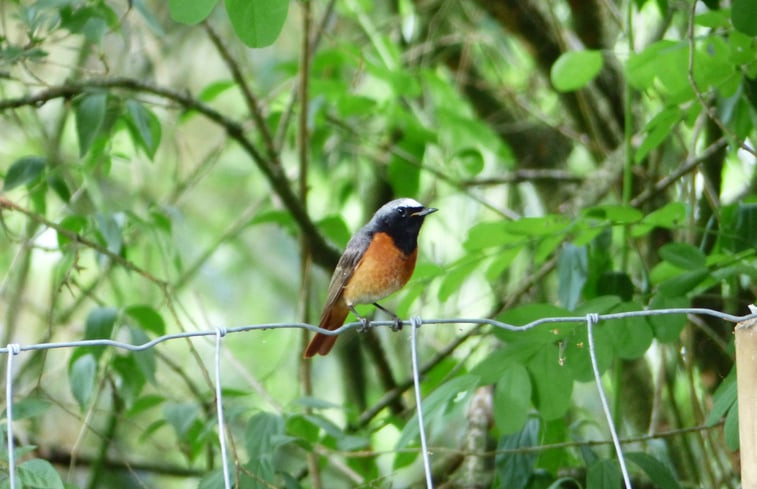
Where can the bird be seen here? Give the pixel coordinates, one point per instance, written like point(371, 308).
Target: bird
point(378, 261)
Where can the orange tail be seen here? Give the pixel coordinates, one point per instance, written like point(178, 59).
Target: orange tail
point(332, 318)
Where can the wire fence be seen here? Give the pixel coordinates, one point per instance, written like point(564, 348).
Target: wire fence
point(12, 350)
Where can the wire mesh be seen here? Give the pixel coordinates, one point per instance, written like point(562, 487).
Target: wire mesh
point(12, 350)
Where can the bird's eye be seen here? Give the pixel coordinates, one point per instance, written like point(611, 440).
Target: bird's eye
point(401, 211)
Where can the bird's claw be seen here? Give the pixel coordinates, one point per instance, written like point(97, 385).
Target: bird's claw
point(365, 325)
point(397, 326)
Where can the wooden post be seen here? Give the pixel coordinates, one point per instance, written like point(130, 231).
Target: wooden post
point(746, 377)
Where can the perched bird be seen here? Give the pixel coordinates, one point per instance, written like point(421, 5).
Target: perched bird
point(378, 260)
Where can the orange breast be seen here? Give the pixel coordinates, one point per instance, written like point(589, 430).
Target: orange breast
point(384, 269)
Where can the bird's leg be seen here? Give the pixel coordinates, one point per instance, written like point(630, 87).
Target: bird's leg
point(397, 321)
point(366, 323)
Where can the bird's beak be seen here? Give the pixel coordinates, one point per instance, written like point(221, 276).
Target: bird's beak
point(424, 212)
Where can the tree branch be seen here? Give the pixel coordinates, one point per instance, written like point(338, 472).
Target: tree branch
point(324, 254)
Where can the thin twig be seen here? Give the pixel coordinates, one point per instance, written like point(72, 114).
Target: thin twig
point(252, 102)
point(323, 253)
point(710, 111)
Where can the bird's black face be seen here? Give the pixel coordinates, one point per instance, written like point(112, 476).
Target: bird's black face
point(402, 219)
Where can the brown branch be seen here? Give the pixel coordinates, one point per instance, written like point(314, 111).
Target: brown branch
point(252, 102)
point(526, 175)
point(77, 238)
point(687, 166)
point(286, 115)
point(324, 254)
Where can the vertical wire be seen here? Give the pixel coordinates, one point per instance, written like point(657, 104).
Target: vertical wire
point(591, 320)
point(415, 324)
point(13, 350)
point(220, 333)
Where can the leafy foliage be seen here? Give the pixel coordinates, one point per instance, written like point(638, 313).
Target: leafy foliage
point(162, 177)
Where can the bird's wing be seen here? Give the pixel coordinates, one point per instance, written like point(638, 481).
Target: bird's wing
point(346, 267)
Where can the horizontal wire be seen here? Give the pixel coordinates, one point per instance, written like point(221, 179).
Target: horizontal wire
point(355, 325)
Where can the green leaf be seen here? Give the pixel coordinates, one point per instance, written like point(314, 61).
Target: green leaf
point(494, 366)
point(214, 89)
point(181, 416)
point(731, 428)
point(724, 398)
point(145, 403)
point(575, 69)
point(110, 230)
point(131, 380)
point(659, 473)
point(260, 435)
point(576, 351)
point(683, 255)
point(27, 408)
point(538, 226)
point(658, 129)
point(668, 327)
point(24, 170)
point(552, 381)
point(615, 283)
point(100, 322)
point(59, 186)
point(454, 279)
point(682, 284)
point(618, 214)
point(572, 270)
point(632, 336)
point(470, 160)
point(302, 427)
point(145, 127)
point(512, 396)
point(145, 359)
point(81, 377)
point(40, 474)
point(514, 470)
point(521, 315)
point(501, 261)
point(75, 224)
point(744, 16)
point(436, 403)
point(669, 216)
point(603, 474)
point(489, 233)
point(190, 12)
point(257, 23)
point(89, 114)
point(147, 318)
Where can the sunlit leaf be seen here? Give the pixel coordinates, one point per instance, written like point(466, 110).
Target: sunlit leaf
point(575, 69)
point(683, 255)
point(90, 114)
point(190, 11)
point(257, 23)
point(147, 318)
point(39, 473)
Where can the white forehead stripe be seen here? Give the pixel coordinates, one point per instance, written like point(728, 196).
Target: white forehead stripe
point(406, 202)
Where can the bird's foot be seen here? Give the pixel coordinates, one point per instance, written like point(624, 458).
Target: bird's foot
point(397, 326)
point(365, 324)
